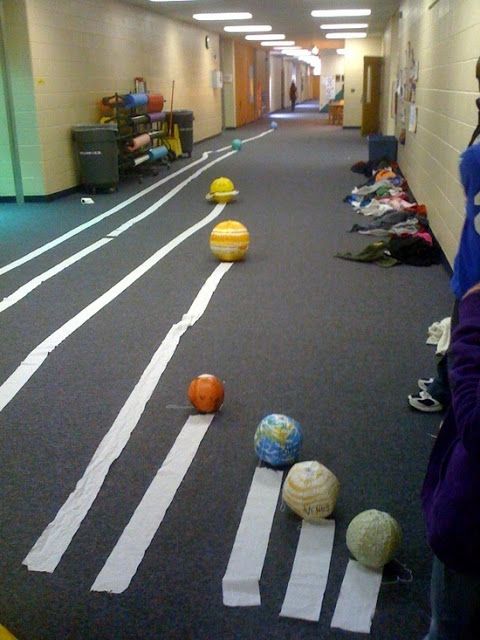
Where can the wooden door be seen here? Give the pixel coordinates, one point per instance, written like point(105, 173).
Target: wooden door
point(244, 84)
point(372, 83)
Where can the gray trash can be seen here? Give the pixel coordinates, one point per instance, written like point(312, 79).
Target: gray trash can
point(97, 155)
point(184, 120)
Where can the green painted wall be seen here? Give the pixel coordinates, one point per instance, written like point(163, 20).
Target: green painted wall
point(7, 185)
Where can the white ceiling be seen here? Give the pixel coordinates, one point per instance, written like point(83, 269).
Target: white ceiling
point(291, 17)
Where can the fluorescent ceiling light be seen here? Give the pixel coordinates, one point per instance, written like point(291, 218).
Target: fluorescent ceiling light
point(222, 16)
point(290, 47)
point(340, 13)
point(341, 52)
point(346, 25)
point(267, 36)
point(273, 43)
point(345, 36)
point(248, 28)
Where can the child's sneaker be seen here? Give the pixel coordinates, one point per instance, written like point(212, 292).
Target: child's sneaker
point(423, 401)
point(424, 383)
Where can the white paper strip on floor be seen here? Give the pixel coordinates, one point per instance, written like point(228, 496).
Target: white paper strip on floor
point(241, 580)
point(52, 544)
point(260, 135)
point(50, 273)
point(30, 286)
point(309, 576)
point(358, 598)
point(126, 556)
point(73, 232)
point(35, 359)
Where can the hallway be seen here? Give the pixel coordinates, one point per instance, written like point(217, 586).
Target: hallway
point(335, 344)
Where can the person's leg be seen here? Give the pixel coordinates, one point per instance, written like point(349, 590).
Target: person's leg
point(436, 395)
point(455, 602)
point(440, 387)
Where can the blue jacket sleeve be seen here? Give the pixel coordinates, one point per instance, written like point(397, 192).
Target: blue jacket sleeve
point(465, 373)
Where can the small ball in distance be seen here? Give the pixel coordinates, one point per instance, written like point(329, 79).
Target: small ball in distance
point(222, 190)
point(273, 125)
point(236, 144)
point(206, 393)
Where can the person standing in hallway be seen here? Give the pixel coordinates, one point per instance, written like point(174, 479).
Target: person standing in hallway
point(451, 489)
point(293, 95)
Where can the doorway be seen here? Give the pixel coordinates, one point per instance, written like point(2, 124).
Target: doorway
point(372, 83)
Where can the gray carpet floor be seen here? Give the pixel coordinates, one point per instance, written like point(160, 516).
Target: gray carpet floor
point(335, 344)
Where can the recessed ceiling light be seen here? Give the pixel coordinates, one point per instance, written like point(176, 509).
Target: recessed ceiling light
point(269, 36)
point(272, 43)
point(345, 36)
point(337, 13)
point(346, 25)
point(222, 16)
point(248, 28)
point(341, 52)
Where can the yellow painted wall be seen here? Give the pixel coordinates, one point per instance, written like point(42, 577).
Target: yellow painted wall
point(446, 42)
point(227, 54)
point(82, 50)
point(390, 53)
point(355, 50)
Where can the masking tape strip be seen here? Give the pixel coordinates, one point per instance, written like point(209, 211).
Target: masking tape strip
point(126, 556)
point(241, 580)
point(309, 576)
point(52, 544)
point(34, 360)
point(358, 598)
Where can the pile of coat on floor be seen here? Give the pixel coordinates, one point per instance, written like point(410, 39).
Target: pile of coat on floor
point(391, 213)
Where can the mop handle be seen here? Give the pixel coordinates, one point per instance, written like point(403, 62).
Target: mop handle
point(170, 127)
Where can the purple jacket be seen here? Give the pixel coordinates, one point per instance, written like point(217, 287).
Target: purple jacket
point(451, 490)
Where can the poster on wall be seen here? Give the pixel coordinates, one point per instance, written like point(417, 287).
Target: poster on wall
point(330, 87)
point(412, 120)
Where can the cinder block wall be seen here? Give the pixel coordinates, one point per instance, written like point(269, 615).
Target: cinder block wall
point(446, 42)
point(355, 50)
point(82, 50)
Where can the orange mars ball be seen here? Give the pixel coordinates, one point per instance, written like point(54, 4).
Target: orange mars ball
point(206, 393)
